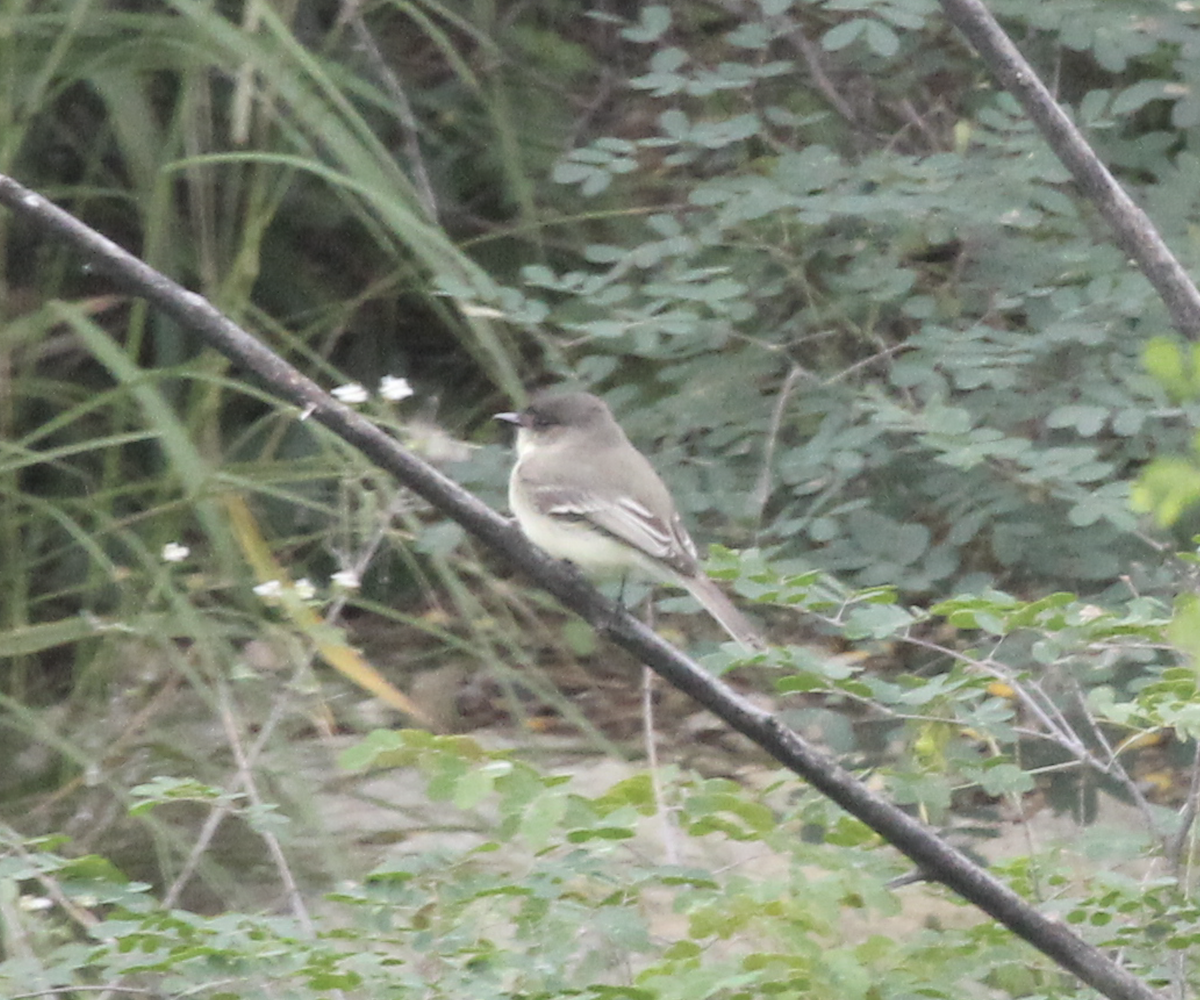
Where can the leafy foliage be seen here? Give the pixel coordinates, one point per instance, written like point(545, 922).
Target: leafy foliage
point(820, 266)
point(854, 312)
point(954, 413)
point(553, 894)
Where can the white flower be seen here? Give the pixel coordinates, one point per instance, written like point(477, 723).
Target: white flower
point(347, 579)
point(351, 393)
point(304, 589)
point(174, 552)
point(395, 388)
point(272, 588)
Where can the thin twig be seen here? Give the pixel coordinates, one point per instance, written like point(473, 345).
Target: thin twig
point(813, 60)
point(224, 807)
point(1116, 768)
point(352, 15)
point(762, 489)
point(1187, 816)
point(246, 780)
point(48, 883)
point(670, 849)
point(1135, 234)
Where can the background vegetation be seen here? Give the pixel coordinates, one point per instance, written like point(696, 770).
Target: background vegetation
point(820, 266)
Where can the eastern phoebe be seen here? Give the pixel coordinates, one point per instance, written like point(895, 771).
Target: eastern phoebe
point(582, 492)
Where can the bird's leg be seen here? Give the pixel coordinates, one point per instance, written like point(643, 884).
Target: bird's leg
point(621, 596)
point(647, 615)
point(647, 601)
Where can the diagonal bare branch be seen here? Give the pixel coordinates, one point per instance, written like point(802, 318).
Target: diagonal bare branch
point(1135, 234)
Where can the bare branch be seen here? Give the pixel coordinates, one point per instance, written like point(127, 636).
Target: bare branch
point(1135, 233)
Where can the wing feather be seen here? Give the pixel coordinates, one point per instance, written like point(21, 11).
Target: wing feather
point(623, 518)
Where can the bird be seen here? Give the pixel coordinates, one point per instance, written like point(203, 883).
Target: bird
point(581, 491)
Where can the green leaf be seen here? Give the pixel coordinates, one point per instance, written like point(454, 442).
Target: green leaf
point(1087, 420)
point(1167, 488)
point(542, 817)
point(1184, 628)
point(25, 640)
point(1163, 358)
point(844, 34)
point(881, 39)
point(877, 621)
point(1134, 98)
point(653, 23)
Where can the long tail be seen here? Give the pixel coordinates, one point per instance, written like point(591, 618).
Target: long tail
point(721, 608)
